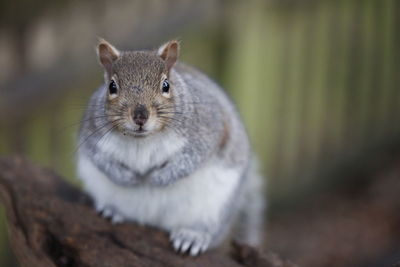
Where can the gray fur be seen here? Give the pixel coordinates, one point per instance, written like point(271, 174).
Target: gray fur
point(200, 113)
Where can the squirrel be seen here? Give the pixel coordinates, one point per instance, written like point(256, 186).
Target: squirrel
point(162, 145)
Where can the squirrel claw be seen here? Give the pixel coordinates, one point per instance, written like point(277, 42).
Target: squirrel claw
point(110, 213)
point(190, 241)
point(106, 212)
point(117, 218)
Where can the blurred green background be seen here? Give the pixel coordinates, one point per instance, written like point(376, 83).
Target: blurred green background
point(315, 81)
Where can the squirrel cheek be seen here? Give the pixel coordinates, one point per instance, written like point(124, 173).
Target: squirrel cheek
point(166, 94)
point(112, 96)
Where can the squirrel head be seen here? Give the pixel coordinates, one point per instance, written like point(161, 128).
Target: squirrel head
point(140, 98)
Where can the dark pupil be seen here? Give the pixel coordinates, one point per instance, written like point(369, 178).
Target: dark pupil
point(165, 87)
point(112, 88)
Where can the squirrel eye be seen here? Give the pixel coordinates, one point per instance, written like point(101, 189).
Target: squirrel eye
point(165, 87)
point(112, 88)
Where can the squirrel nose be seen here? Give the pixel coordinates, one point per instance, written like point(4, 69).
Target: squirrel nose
point(140, 115)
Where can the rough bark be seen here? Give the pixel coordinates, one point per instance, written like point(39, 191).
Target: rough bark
point(52, 223)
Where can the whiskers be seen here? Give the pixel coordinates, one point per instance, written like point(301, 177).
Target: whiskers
point(100, 132)
point(79, 123)
point(172, 119)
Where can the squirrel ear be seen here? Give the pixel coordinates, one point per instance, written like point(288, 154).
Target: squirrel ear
point(169, 52)
point(107, 54)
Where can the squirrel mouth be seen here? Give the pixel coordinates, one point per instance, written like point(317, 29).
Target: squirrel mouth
point(140, 132)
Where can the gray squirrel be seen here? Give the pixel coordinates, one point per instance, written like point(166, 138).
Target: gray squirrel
point(162, 145)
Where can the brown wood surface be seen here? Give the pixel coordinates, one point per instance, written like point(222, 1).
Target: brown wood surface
point(52, 223)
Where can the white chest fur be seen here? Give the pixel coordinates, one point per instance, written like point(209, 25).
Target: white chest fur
point(141, 154)
point(197, 199)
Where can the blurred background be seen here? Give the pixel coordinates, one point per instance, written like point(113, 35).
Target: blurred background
point(316, 81)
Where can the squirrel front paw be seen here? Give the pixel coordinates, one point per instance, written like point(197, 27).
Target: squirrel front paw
point(189, 240)
point(111, 213)
point(159, 178)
